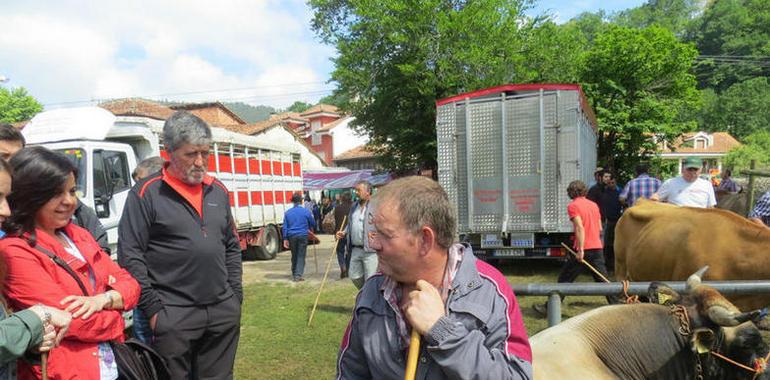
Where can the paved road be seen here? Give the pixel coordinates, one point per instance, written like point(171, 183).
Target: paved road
point(279, 269)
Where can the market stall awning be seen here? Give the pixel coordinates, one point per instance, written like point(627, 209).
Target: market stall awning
point(341, 180)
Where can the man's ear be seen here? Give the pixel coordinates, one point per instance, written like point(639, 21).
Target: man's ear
point(427, 239)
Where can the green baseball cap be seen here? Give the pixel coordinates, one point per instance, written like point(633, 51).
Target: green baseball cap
point(693, 162)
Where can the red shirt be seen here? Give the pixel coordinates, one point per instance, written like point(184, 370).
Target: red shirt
point(589, 214)
point(34, 278)
point(192, 193)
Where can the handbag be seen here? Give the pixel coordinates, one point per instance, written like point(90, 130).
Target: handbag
point(135, 360)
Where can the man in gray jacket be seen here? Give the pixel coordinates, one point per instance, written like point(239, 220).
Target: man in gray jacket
point(466, 313)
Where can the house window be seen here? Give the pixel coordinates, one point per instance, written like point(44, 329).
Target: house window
point(315, 125)
point(316, 139)
point(700, 144)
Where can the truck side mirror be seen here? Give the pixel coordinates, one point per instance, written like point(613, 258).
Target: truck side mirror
point(102, 206)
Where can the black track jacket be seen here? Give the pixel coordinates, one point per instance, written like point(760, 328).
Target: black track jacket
point(179, 258)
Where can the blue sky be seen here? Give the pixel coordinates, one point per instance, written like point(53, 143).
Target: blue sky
point(73, 53)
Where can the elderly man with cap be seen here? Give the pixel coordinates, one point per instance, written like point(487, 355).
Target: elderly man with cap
point(688, 189)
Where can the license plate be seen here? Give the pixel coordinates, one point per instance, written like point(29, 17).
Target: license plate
point(491, 240)
point(509, 253)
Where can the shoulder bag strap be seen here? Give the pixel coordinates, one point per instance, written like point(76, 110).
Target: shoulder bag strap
point(65, 266)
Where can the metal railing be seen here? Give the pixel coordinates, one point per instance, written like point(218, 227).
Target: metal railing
point(554, 291)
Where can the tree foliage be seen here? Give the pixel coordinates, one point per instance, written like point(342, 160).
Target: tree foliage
point(396, 57)
point(732, 36)
point(741, 110)
point(756, 147)
point(16, 105)
point(299, 107)
point(639, 83)
point(673, 15)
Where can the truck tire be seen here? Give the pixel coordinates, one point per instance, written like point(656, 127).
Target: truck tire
point(271, 245)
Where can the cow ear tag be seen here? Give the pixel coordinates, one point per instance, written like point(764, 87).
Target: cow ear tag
point(702, 340)
point(663, 298)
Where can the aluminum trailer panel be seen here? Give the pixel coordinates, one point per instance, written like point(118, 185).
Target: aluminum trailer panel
point(505, 158)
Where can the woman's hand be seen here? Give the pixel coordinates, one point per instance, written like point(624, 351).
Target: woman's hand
point(84, 307)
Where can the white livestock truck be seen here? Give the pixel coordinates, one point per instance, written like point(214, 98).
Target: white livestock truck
point(505, 157)
point(260, 176)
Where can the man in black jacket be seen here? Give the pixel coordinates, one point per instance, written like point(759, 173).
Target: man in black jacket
point(177, 238)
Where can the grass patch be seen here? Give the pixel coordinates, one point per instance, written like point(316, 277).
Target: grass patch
point(277, 344)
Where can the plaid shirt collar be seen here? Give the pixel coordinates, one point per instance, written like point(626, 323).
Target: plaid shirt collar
point(392, 291)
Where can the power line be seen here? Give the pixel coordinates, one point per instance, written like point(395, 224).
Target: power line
point(254, 97)
point(202, 92)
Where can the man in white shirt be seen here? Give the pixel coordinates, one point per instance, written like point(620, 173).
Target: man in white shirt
point(688, 189)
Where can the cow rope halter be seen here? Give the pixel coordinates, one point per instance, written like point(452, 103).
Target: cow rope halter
point(760, 364)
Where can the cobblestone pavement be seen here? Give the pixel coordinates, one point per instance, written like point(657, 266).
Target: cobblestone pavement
point(279, 269)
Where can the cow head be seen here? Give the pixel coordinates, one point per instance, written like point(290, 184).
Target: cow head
point(720, 333)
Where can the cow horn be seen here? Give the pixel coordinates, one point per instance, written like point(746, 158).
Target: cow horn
point(754, 316)
point(695, 279)
point(723, 316)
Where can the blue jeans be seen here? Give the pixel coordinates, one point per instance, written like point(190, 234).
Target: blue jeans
point(341, 259)
point(298, 246)
point(141, 327)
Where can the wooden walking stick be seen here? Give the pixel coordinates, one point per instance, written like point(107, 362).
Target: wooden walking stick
point(44, 365)
point(326, 274)
point(586, 263)
point(414, 352)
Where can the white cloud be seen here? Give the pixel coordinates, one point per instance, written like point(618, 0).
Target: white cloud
point(71, 50)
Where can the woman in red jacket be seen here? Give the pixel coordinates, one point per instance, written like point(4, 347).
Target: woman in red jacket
point(42, 203)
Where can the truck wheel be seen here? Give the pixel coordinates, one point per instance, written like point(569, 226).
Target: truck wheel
point(270, 246)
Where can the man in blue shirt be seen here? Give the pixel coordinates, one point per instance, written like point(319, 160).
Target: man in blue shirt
point(296, 223)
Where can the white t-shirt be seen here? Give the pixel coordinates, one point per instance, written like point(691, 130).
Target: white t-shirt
point(677, 191)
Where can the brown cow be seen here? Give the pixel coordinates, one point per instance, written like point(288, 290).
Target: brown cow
point(657, 241)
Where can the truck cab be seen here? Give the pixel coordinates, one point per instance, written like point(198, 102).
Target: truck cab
point(104, 167)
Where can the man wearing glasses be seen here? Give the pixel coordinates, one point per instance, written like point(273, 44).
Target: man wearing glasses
point(688, 189)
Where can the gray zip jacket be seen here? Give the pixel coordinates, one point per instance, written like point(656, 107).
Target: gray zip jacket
point(481, 337)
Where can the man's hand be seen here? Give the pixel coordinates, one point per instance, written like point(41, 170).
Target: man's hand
point(424, 307)
point(580, 255)
point(153, 321)
point(285, 244)
point(339, 235)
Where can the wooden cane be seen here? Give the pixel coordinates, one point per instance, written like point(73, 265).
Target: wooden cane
point(44, 365)
point(586, 263)
point(326, 274)
point(414, 352)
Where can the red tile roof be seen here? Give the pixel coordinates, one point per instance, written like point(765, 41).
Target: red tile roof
point(197, 106)
point(329, 126)
point(723, 143)
point(320, 108)
point(361, 151)
point(137, 107)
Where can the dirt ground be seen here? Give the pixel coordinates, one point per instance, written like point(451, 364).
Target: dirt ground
point(279, 269)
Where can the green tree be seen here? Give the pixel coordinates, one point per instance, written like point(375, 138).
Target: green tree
point(741, 110)
point(555, 53)
point(396, 57)
point(16, 105)
point(733, 38)
point(639, 84)
point(674, 15)
point(299, 106)
point(755, 147)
